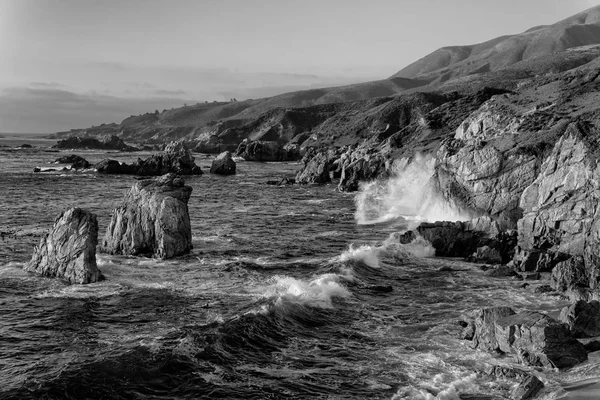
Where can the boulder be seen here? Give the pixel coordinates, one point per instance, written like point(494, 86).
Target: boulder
point(570, 275)
point(69, 250)
point(77, 162)
point(152, 220)
point(223, 164)
point(582, 318)
point(109, 166)
point(175, 158)
point(535, 339)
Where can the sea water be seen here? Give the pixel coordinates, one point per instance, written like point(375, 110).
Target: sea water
point(289, 293)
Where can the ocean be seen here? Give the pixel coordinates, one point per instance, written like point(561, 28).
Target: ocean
point(289, 293)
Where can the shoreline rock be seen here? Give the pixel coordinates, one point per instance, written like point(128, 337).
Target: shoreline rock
point(76, 142)
point(153, 220)
point(223, 164)
point(69, 250)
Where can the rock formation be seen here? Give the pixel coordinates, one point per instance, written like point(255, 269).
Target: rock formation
point(223, 164)
point(264, 150)
point(112, 143)
point(152, 220)
point(534, 339)
point(77, 162)
point(316, 169)
point(175, 158)
point(69, 250)
point(582, 318)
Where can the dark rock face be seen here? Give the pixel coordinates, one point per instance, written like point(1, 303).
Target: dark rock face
point(528, 388)
point(75, 142)
point(153, 220)
point(263, 150)
point(570, 275)
point(69, 250)
point(462, 239)
point(582, 318)
point(534, 338)
point(357, 166)
point(223, 164)
point(114, 167)
point(76, 161)
point(175, 158)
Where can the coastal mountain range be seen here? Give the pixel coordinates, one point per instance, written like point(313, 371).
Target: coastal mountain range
point(343, 115)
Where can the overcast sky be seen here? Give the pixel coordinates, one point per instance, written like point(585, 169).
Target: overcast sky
point(73, 63)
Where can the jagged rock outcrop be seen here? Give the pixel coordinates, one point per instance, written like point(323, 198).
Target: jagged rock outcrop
point(463, 239)
point(175, 158)
point(534, 339)
point(153, 220)
point(264, 150)
point(77, 162)
point(582, 318)
point(362, 164)
point(316, 168)
point(528, 388)
point(69, 250)
point(112, 143)
point(561, 210)
point(223, 164)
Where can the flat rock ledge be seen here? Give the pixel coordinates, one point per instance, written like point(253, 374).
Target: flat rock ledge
point(153, 220)
point(69, 250)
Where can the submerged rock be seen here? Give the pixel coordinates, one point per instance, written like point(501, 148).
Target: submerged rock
point(69, 250)
point(223, 164)
point(152, 220)
point(535, 339)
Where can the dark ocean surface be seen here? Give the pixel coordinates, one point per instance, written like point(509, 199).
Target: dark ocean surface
point(285, 296)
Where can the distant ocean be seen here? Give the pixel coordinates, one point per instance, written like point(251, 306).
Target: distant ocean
point(284, 296)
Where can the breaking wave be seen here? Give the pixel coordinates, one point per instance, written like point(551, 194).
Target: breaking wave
point(409, 194)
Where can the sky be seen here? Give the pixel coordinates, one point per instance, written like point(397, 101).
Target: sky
point(76, 63)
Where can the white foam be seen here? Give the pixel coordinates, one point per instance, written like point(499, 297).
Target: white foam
point(317, 292)
point(409, 194)
point(368, 254)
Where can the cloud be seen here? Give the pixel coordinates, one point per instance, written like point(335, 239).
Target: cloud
point(46, 85)
point(33, 110)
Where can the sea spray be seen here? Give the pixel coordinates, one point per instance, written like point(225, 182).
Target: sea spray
point(409, 193)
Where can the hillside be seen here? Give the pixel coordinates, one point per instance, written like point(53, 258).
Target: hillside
point(348, 115)
point(455, 61)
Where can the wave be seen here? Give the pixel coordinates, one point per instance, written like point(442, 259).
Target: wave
point(409, 194)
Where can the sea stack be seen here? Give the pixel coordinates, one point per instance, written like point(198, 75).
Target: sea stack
point(223, 164)
point(153, 220)
point(69, 250)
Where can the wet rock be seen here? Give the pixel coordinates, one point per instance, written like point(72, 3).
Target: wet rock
point(77, 162)
point(583, 318)
point(152, 220)
point(468, 331)
point(535, 339)
point(109, 166)
point(592, 346)
point(486, 254)
point(543, 289)
point(175, 158)
point(264, 150)
point(501, 271)
point(223, 164)
point(528, 388)
point(69, 250)
point(25, 146)
point(506, 372)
